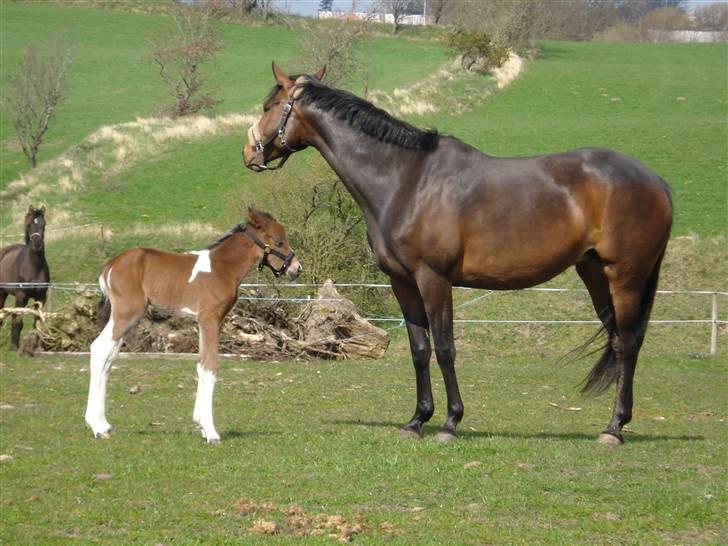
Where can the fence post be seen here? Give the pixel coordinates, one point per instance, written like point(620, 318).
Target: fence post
point(714, 326)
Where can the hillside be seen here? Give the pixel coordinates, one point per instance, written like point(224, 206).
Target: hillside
point(109, 162)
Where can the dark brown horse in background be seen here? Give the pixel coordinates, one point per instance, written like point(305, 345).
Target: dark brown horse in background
point(440, 213)
point(24, 270)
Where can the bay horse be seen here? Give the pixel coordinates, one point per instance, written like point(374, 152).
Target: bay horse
point(440, 213)
point(201, 284)
point(25, 263)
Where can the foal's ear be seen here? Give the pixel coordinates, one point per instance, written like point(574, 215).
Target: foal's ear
point(321, 73)
point(281, 77)
point(254, 217)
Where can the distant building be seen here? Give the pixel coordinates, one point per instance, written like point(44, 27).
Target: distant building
point(374, 17)
point(687, 36)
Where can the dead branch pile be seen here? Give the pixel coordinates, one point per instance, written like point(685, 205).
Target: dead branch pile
point(262, 329)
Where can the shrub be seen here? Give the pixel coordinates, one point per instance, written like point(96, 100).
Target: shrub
point(476, 49)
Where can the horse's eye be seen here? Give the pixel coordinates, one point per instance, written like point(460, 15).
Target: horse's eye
point(279, 244)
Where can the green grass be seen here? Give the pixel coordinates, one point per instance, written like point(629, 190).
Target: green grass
point(664, 104)
point(323, 436)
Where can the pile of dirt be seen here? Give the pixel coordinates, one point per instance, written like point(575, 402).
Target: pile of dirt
point(259, 327)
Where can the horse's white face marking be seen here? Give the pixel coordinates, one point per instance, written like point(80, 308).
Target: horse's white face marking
point(35, 221)
point(202, 265)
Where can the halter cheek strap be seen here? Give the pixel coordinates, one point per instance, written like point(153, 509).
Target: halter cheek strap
point(259, 144)
point(267, 251)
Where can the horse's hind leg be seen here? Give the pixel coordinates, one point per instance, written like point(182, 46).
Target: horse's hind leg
point(207, 369)
point(104, 350)
point(632, 300)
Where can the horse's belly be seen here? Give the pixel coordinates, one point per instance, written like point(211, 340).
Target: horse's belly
point(516, 267)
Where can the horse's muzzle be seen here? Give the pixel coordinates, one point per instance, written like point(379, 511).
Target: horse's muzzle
point(294, 270)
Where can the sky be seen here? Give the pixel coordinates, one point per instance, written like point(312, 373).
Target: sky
point(310, 7)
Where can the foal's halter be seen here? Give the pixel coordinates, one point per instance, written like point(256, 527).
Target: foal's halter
point(267, 251)
point(280, 134)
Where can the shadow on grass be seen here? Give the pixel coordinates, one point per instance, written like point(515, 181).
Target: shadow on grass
point(224, 434)
point(431, 430)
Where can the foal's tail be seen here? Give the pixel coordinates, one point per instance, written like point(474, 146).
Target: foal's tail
point(606, 370)
point(104, 310)
point(104, 305)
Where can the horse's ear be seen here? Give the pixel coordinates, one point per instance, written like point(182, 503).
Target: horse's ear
point(321, 73)
point(42, 209)
point(31, 208)
point(281, 77)
point(254, 216)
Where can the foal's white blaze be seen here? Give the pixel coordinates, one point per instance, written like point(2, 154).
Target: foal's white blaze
point(202, 265)
point(202, 414)
point(103, 352)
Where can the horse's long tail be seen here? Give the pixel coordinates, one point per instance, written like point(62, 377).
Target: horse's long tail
point(606, 370)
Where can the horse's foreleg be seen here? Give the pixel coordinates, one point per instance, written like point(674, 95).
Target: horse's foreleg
point(16, 322)
point(415, 318)
point(207, 369)
point(104, 350)
point(436, 294)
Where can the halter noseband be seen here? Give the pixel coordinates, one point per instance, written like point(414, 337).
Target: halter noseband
point(267, 251)
point(280, 134)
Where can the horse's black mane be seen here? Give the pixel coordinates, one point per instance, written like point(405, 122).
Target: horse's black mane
point(364, 116)
point(236, 229)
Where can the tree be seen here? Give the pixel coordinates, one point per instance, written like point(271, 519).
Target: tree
point(180, 54)
point(35, 91)
point(437, 9)
point(326, 5)
point(332, 46)
point(399, 9)
point(508, 22)
point(712, 17)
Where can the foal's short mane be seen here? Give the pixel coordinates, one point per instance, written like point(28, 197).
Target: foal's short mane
point(366, 117)
point(237, 229)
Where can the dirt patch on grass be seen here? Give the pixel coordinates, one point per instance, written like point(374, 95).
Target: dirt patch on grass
point(292, 520)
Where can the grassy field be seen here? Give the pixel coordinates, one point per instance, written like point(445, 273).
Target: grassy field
point(323, 437)
point(665, 104)
point(313, 447)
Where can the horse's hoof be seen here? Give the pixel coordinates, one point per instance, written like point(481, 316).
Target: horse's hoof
point(103, 435)
point(445, 436)
point(609, 439)
point(213, 441)
point(410, 433)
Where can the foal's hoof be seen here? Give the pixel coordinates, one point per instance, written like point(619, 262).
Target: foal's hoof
point(445, 436)
point(609, 439)
point(103, 435)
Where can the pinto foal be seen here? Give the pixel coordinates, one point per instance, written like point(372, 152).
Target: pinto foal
point(201, 284)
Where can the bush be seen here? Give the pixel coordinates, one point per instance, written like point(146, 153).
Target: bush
point(325, 227)
point(476, 49)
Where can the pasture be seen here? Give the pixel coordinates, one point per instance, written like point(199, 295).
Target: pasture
point(323, 436)
point(312, 448)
